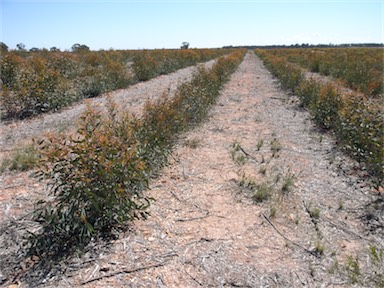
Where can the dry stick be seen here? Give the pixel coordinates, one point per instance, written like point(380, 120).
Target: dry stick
point(174, 195)
point(247, 154)
point(127, 271)
point(193, 278)
point(194, 218)
point(345, 230)
point(294, 243)
point(191, 219)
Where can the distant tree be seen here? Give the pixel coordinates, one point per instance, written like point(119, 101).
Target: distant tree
point(3, 47)
point(34, 49)
point(21, 46)
point(79, 48)
point(54, 49)
point(184, 45)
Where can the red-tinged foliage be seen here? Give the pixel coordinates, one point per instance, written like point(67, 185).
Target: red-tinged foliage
point(37, 82)
point(361, 69)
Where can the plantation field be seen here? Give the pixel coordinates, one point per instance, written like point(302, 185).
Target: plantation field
point(356, 119)
point(361, 69)
point(38, 82)
point(225, 178)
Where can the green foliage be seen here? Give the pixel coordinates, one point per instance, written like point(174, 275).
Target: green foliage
point(258, 192)
point(9, 64)
point(352, 268)
point(79, 48)
point(262, 192)
point(361, 133)
point(151, 63)
point(288, 181)
point(314, 212)
point(290, 75)
point(259, 144)
point(237, 154)
point(325, 109)
point(319, 248)
point(32, 87)
point(371, 274)
point(192, 143)
point(145, 66)
point(275, 147)
point(308, 92)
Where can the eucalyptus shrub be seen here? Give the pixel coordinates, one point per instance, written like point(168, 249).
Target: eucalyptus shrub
point(325, 108)
point(307, 91)
point(361, 132)
point(96, 179)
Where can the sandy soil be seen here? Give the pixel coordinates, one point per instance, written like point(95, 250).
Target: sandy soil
point(205, 229)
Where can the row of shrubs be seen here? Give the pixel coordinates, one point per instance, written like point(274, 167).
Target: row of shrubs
point(97, 176)
point(37, 82)
point(152, 63)
point(361, 69)
point(356, 121)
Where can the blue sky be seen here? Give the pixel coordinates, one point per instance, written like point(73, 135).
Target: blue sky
point(124, 24)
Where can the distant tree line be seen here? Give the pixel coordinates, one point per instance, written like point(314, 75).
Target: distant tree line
point(22, 48)
point(185, 45)
point(305, 45)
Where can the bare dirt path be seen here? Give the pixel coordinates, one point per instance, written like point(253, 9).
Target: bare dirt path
point(206, 230)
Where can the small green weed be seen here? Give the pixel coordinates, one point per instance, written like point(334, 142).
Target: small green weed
point(259, 144)
point(262, 192)
point(334, 267)
point(275, 147)
point(258, 192)
point(22, 160)
point(353, 269)
point(237, 154)
point(263, 169)
point(272, 212)
point(319, 248)
point(376, 255)
point(288, 181)
point(314, 213)
point(192, 143)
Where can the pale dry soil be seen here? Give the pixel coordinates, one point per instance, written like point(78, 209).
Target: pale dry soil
point(205, 230)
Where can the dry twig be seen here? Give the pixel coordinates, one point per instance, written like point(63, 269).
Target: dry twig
point(123, 271)
point(290, 241)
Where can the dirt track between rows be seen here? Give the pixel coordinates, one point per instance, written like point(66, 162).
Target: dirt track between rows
point(206, 231)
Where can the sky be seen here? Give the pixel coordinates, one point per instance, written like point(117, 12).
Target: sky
point(125, 24)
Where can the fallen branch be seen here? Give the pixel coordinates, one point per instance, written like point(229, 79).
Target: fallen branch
point(290, 241)
point(247, 154)
point(193, 278)
point(194, 218)
point(124, 271)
